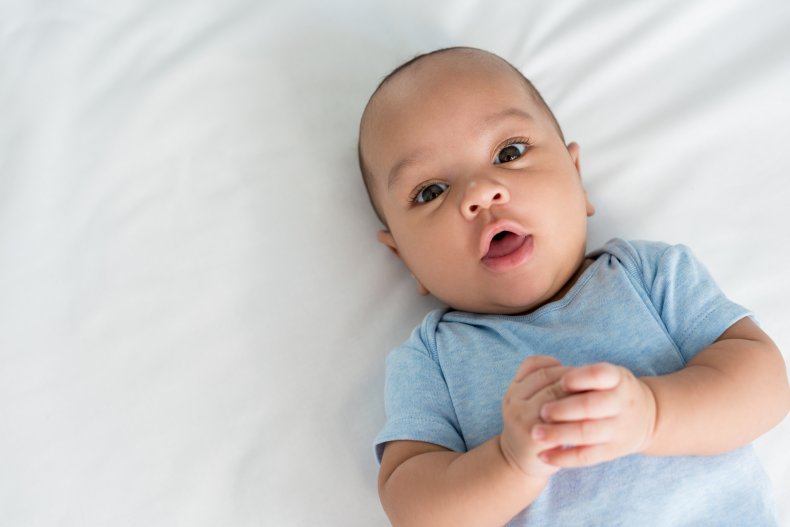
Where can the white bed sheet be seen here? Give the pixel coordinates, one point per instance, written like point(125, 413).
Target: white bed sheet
point(194, 311)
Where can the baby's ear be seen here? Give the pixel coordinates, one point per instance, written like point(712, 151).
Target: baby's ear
point(575, 150)
point(588, 205)
point(385, 237)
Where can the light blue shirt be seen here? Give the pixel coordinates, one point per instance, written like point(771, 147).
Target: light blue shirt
point(649, 307)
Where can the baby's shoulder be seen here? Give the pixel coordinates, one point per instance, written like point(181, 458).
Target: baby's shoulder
point(632, 251)
point(643, 257)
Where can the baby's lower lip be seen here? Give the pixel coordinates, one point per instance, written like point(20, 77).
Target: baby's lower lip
point(515, 258)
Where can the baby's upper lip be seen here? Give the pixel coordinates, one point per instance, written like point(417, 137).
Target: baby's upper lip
point(495, 228)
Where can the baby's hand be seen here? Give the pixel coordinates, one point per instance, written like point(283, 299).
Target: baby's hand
point(608, 413)
point(535, 383)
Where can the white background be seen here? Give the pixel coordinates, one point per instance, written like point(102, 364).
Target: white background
point(194, 311)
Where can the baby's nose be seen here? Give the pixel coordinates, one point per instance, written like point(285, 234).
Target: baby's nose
point(483, 194)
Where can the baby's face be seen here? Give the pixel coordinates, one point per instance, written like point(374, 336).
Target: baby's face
point(482, 198)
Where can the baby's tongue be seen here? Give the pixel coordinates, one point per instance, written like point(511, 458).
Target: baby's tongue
point(505, 244)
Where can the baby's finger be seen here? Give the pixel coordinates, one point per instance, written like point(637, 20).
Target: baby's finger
point(579, 433)
point(600, 376)
point(578, 407)
point(533, 363)
point(536, 381)
point(581, 456)
point(546, 394)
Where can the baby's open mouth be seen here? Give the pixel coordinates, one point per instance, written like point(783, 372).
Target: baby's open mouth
point(504, 243)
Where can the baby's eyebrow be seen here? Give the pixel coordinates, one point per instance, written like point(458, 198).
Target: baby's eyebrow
point(410, 160)
point(504, 114)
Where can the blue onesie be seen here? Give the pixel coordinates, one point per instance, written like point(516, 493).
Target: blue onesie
point(649, 307)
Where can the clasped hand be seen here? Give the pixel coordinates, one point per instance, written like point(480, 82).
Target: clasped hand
point(561, 417)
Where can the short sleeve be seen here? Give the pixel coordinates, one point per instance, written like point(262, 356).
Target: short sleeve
point(416, 399)
point(692, 307)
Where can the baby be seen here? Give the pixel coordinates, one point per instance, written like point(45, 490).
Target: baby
point(619, 387)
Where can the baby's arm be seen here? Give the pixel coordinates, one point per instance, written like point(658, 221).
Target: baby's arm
point(726, 396)
point(425, 484)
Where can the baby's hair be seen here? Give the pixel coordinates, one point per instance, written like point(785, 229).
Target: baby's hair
point(366, 175)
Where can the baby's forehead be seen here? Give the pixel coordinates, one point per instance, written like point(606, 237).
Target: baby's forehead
point(431, 78)
point(430, 75)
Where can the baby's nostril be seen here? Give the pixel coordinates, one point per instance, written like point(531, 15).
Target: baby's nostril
point(498, 196)
point(472, 208)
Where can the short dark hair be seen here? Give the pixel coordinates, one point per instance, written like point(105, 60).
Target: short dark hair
point(367, 176)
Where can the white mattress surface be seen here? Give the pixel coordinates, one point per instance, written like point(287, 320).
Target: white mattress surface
point(194, 310)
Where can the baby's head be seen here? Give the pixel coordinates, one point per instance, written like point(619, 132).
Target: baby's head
point(468, 170)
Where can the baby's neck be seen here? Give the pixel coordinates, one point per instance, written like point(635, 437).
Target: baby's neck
point(586, 262)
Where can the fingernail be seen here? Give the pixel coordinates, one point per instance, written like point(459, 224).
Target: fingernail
point(538, 432)
point(544, 413)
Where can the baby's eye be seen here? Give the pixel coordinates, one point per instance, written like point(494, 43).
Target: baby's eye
point(510, 153)
point(429, 192)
